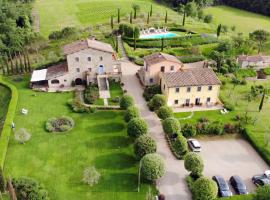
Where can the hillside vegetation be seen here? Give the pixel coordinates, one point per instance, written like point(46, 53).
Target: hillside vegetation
point(4, 100)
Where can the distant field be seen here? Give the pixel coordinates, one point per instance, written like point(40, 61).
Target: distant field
point(244, 21)
point(55, 14)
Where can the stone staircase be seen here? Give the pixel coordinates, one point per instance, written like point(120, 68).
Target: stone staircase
point(104, 90)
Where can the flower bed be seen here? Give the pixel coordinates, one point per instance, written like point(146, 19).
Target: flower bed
point(61, 124)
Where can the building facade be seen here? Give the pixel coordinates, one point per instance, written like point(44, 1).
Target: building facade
point(256, 61)
point(155, 65)
point(87, 61)
point(191, 87)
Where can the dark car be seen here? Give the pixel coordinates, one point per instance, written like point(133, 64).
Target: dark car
point(223, 187)
point(261, 180)
point(238, 185)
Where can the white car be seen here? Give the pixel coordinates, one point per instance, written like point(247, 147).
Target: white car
point(194, 145)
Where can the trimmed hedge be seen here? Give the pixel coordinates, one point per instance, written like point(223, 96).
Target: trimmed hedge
point(4, 138)
point(137, 127)
point(143, 145)
point(171, 125)
point(131, 112)
point(165, 112)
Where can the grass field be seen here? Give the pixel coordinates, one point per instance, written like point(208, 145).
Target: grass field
point(244, 21)
point(58, 160)
point(55, 14)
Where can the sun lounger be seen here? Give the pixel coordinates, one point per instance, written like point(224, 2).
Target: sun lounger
point(222, 112)
point(24, 111)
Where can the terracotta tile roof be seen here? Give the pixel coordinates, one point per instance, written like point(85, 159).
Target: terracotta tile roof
point(256, 58)
point(191, 77)
point(160, 57)
point(57, 70)
point(85, 44)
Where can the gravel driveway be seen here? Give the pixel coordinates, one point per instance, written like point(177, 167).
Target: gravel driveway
point(228, 157)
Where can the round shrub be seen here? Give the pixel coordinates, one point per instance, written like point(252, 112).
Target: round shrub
point(137, 127)
point(60, 124)
point(91, 176)
point(22, 135)
point(216, 128)
point(165, 112)
point(152, 167)
point(126, 101)
point(144, 145)
point(188, 130)
point(180, 145)
point(262, 193)
point(131, 112)
point(27, 188)
point(157, 101)
point(171, 125)
point(194, 164)
point(204, 188)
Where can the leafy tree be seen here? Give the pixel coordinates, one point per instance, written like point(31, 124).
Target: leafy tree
point(189, 10)
point(151, 10)
point(188, 130)
point(152, 167)
point(126, 101)
point(130, 17)
point(261, 37)
point(148, 18)
point(91, 176)
point(194, 164)
point(165, 112)
point(144, 145)
point(137, 127)
point(219, 57)
point(200, 14)
point(111, 22)
point(171, 126)
point(204, 188)
point(136, 8)
point(262, 193)
point(208, 18)
point(262, 101)
point(131, 112)
point(22, 135)
point(180, 145)
point(166, 17)
point(118, 15)
point(2, 181)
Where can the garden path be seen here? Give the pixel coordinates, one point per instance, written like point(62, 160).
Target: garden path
point(173, 184)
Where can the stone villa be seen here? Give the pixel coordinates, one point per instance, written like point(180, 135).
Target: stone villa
point(88, 61)
point(257, 61)
point(191, 87)
point(156, 64)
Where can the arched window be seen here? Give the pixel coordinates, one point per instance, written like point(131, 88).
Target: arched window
point(55, 81)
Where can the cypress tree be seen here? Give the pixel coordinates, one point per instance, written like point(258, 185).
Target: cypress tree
point(184, 19)
point(11, 64)
point(130, 18)
point(148, 18)
point(28, 62)
point(116, 44)
point(25, 62)
point(16, 64)
point(21, 63)
point(6, 63)
point(162, 44)
point(112, 22)
point(262, 101)
point(219, 30)
point(2, 181)
point(118, 15)
point(166, 17)
point(151, 10)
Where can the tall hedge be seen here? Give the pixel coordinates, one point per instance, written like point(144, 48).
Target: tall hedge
point(157, 101)
point(152, 167)
point(137, 127)
point(145, 144)
point(4, 137)
point(204, 188)
point(171, 125)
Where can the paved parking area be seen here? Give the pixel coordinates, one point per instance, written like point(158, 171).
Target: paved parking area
point(229, 157)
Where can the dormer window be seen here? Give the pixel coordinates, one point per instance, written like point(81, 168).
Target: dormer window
point(172, 68)
point(162, 69)
point(77, 59)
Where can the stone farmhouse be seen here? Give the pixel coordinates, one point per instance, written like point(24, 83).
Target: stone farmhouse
point(156, 64)
point(88, 61)
point(191, 87)
point(256, 61)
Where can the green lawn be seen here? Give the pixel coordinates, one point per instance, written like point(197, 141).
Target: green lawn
point(244, 21)
point(55, 14)
point(58, 160)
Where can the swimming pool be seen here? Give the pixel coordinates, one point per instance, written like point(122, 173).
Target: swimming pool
point(159, 35)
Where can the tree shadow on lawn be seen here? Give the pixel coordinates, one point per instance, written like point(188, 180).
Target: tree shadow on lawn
point(103, 115)
point(109, 142)
point(107, 127)
point(117, 182)
point(115, 161)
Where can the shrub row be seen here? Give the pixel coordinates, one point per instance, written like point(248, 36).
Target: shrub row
point(156, 102)
point(4, 138)
point(151, 91)
point(192, 59)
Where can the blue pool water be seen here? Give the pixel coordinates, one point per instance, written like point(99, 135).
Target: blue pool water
point(159, 35)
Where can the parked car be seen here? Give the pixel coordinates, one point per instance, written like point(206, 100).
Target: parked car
point(194, 145)
point(223, 187)
point(238, 185)
point(263, 179)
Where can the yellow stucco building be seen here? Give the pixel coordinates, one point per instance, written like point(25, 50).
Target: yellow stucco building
point(191, 87)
